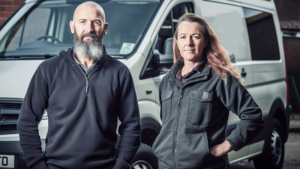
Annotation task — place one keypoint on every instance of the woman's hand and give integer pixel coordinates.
(221, 149)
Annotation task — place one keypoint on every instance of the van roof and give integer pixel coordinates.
(265, 4)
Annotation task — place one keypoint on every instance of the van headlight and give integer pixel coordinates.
(45, 116)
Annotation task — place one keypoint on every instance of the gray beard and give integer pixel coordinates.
(92, 49)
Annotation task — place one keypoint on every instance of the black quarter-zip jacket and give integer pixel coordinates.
(194, 118)
(82, 114)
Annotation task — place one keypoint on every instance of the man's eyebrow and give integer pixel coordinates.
(93, 20)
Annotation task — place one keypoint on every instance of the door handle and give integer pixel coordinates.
(243, 73)
(148, 91)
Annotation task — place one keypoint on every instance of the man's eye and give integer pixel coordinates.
(97, 23)
(82, 21)
(196, 37)
(182, 37)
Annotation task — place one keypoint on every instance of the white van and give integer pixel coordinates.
(140, 35)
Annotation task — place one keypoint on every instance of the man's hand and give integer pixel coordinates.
(221, 149)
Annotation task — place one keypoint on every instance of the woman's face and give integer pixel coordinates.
(190, 41)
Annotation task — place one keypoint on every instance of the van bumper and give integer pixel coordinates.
(13, 148)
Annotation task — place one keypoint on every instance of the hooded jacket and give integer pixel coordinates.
(83, 112)
(195, 115)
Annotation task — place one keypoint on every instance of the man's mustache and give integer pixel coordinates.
(94, 36)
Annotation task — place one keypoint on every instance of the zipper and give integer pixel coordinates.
(86, 77)
(176, 131)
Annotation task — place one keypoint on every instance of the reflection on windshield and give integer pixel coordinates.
(45, 30)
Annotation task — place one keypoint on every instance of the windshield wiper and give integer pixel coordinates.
(27, 57)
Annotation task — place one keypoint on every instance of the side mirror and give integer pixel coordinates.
(164, 60)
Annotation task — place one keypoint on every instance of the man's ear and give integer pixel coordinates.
(72, 26)
(105, 28)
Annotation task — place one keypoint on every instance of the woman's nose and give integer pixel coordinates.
(189, 41)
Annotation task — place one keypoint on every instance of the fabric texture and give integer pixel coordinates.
(83, 112)
(194, 118)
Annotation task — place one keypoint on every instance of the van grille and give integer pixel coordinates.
(8, 128)
(9, 114)
(11, 105)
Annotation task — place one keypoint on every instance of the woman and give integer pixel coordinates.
(196, 96)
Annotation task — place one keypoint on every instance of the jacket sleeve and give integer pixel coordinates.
(34, 104)
(237, 99)
(130, 130)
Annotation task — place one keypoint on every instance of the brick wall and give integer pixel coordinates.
(289, 16)
(292, 54)
(288, 9)
(8, 7)
(288, 13)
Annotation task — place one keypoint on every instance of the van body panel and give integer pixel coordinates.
(149, 109)
(265, 95)
(16, 76)
(229, 2)
(259, 4)
(256, 147)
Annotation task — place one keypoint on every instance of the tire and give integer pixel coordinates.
(273, 153)
(144, 158)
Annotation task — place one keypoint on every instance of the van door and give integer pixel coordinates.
(163, 35)
(228, 23)
(268, 65)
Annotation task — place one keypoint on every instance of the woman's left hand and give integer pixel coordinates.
(221, 149)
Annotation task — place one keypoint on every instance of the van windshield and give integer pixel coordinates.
(43, 30)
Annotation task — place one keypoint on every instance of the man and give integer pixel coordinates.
(84, 91)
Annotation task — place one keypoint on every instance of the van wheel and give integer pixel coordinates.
(144, 158)
(273, 154)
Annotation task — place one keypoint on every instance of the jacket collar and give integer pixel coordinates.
(202, 68)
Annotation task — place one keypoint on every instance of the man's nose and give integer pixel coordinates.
(89, 28)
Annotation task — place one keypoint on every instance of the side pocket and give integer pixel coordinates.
(166, 107)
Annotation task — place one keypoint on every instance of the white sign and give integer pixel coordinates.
(7, 161)
(127, 48)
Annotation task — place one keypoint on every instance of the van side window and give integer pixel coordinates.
(229, 24)
(169, 26)
(262, 35)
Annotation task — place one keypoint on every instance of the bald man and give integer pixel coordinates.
(84, 91)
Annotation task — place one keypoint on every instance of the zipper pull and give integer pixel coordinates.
(86, 86)
(179, 100)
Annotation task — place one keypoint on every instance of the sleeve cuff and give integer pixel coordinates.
(236, 142)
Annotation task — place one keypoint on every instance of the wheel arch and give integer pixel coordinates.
(281, 113)
(150, 130)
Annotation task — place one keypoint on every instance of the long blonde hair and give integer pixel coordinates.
(217, 56)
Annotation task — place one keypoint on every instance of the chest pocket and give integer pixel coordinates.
(166, 106)
(200, 108)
